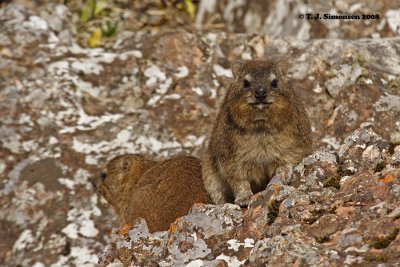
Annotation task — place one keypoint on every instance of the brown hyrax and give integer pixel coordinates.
(158, 192)
(262, 125)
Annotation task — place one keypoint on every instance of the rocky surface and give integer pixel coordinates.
(289, 18)
(344, 213)
(67, 109)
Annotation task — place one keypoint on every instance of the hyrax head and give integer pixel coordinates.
(259, 92)
(260, 81)
(120, 171)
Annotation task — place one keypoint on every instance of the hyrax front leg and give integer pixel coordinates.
(246, 171)
(242, 192)
(213, 183)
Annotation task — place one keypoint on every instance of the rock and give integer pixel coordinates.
(326, 226)
(277, 18)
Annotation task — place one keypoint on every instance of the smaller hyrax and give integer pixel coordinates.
(261, 125)
(158, 192)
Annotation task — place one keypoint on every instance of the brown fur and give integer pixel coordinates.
(250, 140)
(159, 192)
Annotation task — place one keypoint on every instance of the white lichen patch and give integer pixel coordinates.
(97, 54)
(68, 183)
(84, 122)
(21, 214)
(231, 261)
(59, 68)
(393, 20)
(87, 67)
(368, 81)
(182, 72)
(71, 230)
(53, 140)
(163, 88)
(29, 145)
(154, 75)
(153, 100)
(198, 91)
(220, 71)
(84, 227)
(213, 93)
(45, 152)
(353, 260)
(144, 143)
(3, 166)
(234, 244)
(88, 228)
(25, 119)
(317, 89)
(157, 77)
(195, 263)
(14, 176)
(115, 263)
(84, 256)
(194, 141)
(205, 7)
(371, 153)
(200, 249)
(126, 55)
(91, 160)
(81, 88)
(346, 75)
(10, 140)
(344, 179)
(81, 222)
(25, 239)
(332, 141)
(172, 96)
(36, 23)
(388, 102)
(124, 140)
(81, 177)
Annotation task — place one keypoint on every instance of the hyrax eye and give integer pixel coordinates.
(274, 83)
(246, 83)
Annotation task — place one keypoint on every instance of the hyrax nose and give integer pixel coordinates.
(261, 93)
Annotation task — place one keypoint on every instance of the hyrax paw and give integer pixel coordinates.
(243, 201)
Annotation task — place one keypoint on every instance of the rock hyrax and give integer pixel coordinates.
(158, 192)
(262, 124)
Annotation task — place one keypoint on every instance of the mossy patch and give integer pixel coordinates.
(322, 239)
(333, 181)
(330, 74)
(384, 242)
(316, 214)
(380, 257)
(392, 146)
(360, 59)
(273, 211)
(379, 167)
(395, 84)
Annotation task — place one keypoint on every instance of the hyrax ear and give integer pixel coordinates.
(236, 67)
(281, 66)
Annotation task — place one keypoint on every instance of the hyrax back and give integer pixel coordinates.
(262, 124)
(158, 192)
